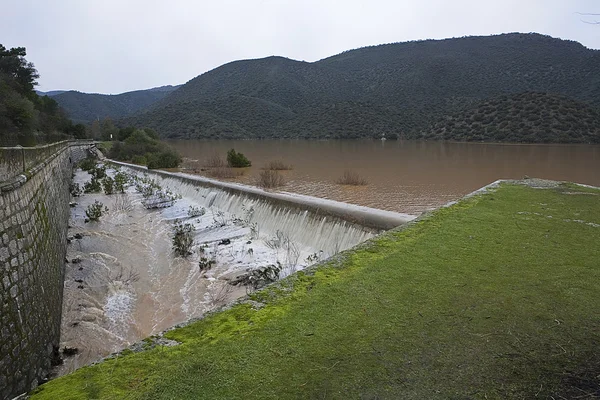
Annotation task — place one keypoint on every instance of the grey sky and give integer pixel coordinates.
(113, 46)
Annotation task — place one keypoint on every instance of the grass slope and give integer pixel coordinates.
(495, 297)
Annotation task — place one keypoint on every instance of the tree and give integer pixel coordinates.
(25, 117)
(109, 130)
(95, 130)
(78, 131)
(14, 64)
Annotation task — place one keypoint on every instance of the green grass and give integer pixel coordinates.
(490, 298)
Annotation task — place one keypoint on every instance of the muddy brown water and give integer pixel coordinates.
(403, 176)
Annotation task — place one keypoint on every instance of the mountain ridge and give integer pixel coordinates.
(396, 89)
(86, 107)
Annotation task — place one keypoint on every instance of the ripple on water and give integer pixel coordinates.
(118, 308)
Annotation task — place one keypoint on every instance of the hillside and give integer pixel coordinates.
(50, 93)
(85, 107)
(527, 117)
(394, 89)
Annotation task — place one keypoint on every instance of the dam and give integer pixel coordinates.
(118, 276)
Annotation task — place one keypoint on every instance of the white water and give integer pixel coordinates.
(320, 233)
(130, 284)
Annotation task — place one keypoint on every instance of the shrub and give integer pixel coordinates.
(92, 186)
(205, 264)
(75, 190)
(141, 160)
(95, 211)
(259, 277)
(141, 146)
(196, 212)
(237, 160)
(98, 172)
(121, 180)
(224, 173)
(214, 161)
(270, 179)
(278, 165)
(108, 184)
(351, 178)
(183, 239)
(167, 158)
(87, 164)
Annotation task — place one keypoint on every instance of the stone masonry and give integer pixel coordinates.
(34, 215)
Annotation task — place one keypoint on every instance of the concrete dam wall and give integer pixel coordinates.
(34, 214)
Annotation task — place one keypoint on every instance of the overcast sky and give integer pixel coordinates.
(114, 46)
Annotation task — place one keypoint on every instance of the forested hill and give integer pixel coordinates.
(393, 89)
(526, 117)
(85, 107)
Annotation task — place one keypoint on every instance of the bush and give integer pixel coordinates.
(259, 277)
(224, 173)
(205, 264)
(121, 180)
(351, 178)
(214, 161)
(95, 211)
(75, 190)
(270, 179)
(92, 186)
(167, 158)
(278, 165)
(196, 212)
(141, 160)
(141, 146)
(98, 172)
(108, 184)
(237, 160)
(87, 164)
(183, 239)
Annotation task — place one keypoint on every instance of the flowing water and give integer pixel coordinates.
(403, 176)
(124, 283)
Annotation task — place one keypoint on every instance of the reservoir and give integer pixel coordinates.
(403, 176)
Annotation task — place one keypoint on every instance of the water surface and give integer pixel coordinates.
(403, 176)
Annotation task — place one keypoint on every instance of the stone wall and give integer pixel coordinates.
(34, 214)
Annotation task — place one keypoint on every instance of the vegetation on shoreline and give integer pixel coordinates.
(142, 146)
(351, 178)
(270, 178)
(278, 165)
(440, 309)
